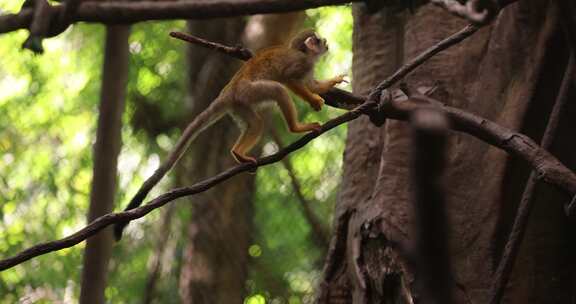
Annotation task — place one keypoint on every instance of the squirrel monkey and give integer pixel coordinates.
(265, 77)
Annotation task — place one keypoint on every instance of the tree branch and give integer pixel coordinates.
(237, 52)
(410, 66)
(131, 12)
(504, 270)
(549, 168)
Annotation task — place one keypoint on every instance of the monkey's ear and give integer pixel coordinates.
(312, 44)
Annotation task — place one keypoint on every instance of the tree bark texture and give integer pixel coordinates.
(106, 151)
(508, 72)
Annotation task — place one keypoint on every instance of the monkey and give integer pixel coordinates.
(265, 77)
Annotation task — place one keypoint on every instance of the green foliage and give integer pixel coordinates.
(48, 110)
(45, 138)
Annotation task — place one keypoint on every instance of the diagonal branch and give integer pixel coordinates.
(112, 218)
(237, 52)
(131, 12)
(453, 39)
(549, 168)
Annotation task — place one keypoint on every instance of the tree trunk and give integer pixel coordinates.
(106, 150)
(508, 72)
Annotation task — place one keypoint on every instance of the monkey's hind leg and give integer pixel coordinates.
(277, 92)
(249, 136)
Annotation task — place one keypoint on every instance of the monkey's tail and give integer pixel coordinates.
(213, 113)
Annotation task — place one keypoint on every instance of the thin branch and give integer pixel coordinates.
(116, 12)
(237, 52)
(429, 132)
(345, 100)
(335, 97)
(410, 66)
(112, 218)
(549, 168)
(504, 270)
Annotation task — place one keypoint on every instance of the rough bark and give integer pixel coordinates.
(106, 151)
(509, 72)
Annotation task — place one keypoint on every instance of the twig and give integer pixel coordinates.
(238, 52)
(125, 12)
(420, 59)
(429, 131)
(504, 270)
(335, 97)
(549, 168)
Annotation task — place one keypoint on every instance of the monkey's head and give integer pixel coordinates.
(310, 43)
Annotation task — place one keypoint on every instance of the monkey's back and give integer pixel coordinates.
(277, 63)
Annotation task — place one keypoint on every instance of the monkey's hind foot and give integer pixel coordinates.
(302, 128)
(244, 159)
(317, 102)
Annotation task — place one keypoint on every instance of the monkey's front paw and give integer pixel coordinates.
(338, 79)
(317, 103)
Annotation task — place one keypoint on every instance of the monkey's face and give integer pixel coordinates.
(316, 45)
